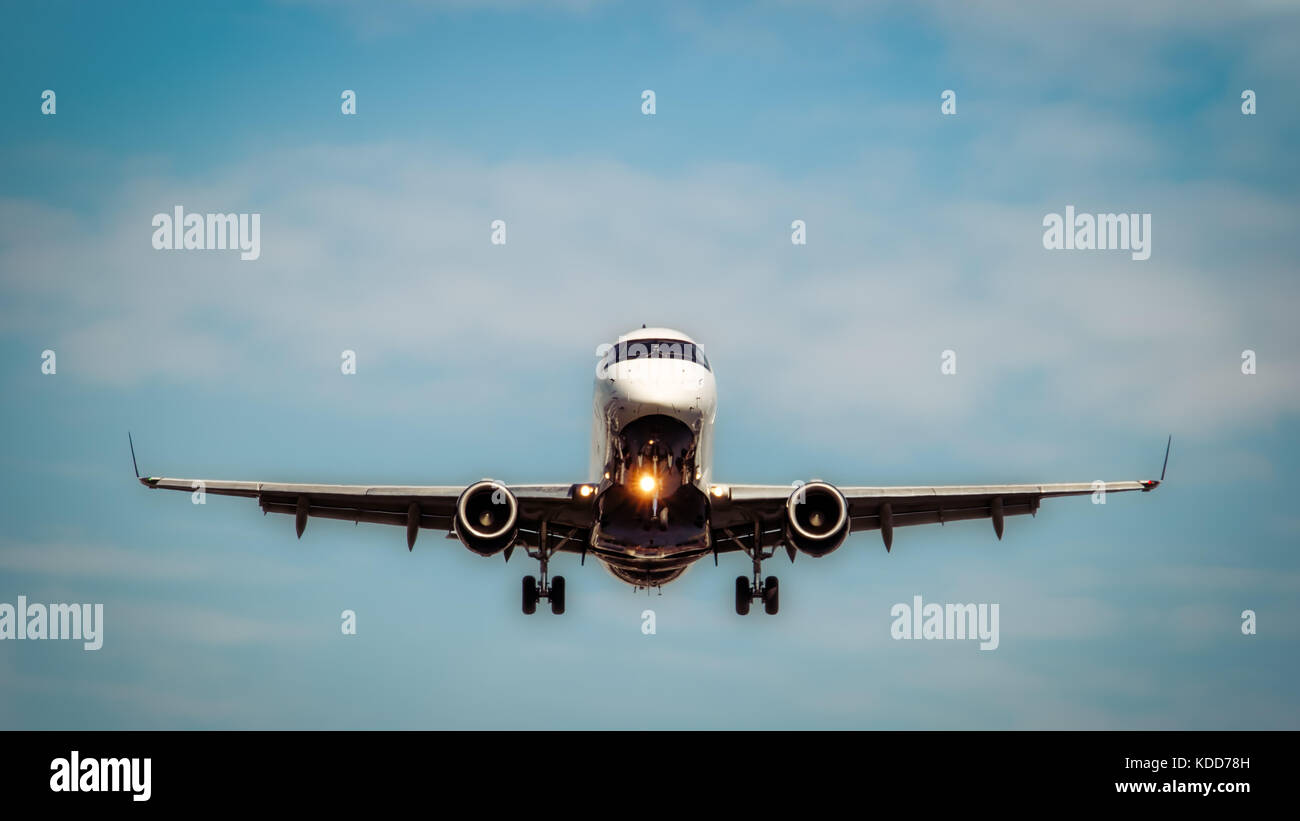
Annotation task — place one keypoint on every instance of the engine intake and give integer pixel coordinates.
(816, 518)
(487, 517)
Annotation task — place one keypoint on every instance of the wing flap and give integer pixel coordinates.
(391, 504)
(932, 512)
(354, 514)
(747, 506)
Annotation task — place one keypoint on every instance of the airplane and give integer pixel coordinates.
(650, 507)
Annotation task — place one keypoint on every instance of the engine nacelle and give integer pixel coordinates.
(487, 517)
(816, 518)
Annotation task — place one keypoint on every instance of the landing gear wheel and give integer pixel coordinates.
(530, 595)
(743, 596)
(771, 595)
(557, 595)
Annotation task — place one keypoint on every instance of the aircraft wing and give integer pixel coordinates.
(742, 517)
(744, 514)
(414, 507)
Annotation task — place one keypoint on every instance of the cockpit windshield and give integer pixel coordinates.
(656, 349)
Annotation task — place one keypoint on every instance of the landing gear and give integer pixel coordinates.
(553, 592)
(743, 596)
(544, 588)
(768, 590)
(557, 595)
(771, 596)
(530, 595)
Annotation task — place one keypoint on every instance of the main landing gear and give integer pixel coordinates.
(550, 589)
(554, 592)
(767, 591)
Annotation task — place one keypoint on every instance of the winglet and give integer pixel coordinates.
(1152, 484)
(147, 481)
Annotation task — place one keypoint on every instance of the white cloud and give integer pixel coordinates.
(384, 250)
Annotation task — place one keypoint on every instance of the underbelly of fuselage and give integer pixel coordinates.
(643, 572)
(652, 520)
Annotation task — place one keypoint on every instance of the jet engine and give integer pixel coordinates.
(487, 517)
(816, 518)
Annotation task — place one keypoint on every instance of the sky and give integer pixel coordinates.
(924, 235)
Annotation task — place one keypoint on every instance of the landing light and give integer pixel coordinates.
(718, 491)
(647, 483)
(585, 490)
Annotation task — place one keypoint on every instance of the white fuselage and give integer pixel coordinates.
(644, 385)
(652, 449)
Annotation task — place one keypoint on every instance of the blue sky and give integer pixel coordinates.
(924, 234)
